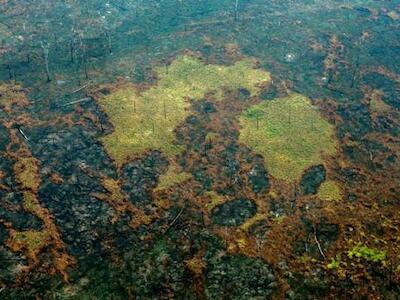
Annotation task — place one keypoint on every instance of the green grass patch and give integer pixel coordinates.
(290, 133)
(330, 191)
(147, 121)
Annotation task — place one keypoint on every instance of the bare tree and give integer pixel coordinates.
(109, 41)
(46, 48)
(236, 9)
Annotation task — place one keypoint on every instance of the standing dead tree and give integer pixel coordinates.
(109, 41)
(46, 48)
(236, 9)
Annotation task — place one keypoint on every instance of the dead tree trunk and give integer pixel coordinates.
(109, 42)
(236, 9)
(72, 50)
(45, 48)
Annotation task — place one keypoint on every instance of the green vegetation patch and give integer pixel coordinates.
(377, 104)
(26, 171)
(215, 200)
(335, 263)
(31, 241)
(290, 133)
(369, 254)
(30, 202)
(146, 121)
(330, 191)
(172, 177)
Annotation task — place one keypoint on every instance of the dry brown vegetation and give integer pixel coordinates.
(26, 172)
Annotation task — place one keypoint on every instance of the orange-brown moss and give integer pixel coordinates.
(11, 96)
(335, 47)
(56, 178)
(30, 242)
(61, 260)
(196, 264)
(121, 204)
(26, 171)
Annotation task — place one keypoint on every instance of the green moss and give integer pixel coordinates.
(290, 133)
(369, 254)
(26, 172)
(172, 177)
(147, 121)
(31, 240)
(335, 263)
(30, 202)
(215, 200)
(329, 191)
(378, 105)
(116, 196)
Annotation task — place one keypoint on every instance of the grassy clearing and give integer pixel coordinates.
(329, 191)
(147, 121)
(290, 133)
